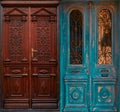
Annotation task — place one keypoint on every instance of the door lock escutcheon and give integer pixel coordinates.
(87, 71)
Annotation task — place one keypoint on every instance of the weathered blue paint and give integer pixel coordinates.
(119, 59)
(109, 82)
(84, 90)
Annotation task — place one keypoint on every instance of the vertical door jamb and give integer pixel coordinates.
(119, 58)
(1, 56)
(29, 55)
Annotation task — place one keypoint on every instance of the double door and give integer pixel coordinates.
(30, 69)
(88, 56)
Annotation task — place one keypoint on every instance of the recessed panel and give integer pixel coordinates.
(76, 37)
(104, 37)
(104, 94)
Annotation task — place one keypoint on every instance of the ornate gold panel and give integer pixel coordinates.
(104, 37)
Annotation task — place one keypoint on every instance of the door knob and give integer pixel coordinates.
(87, 71)
(33, 51)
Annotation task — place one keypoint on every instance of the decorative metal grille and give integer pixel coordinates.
(76, 37)
(105, 37)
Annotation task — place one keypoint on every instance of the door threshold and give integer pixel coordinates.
(29, 110)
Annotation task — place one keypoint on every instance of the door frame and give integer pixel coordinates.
(61, 70)
(119, 58)
(29, 4)
(63, 53)
(0, 56)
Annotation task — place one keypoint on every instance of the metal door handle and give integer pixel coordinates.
(87, 71)
(33, 51)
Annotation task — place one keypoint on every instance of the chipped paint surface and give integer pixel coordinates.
(93, 88)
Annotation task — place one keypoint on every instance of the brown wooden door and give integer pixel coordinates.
(30, 69)
(44, 58)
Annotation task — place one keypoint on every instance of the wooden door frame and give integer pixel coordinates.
(28, 4)
(1, 56)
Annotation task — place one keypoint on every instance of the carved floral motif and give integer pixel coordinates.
(105, 37)
(76, 95)
(104, 95)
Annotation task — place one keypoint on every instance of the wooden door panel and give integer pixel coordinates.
(15, 35)
(44, 57)
(44, 82)
(15, 57)
(16, 85)
(30, 58)
(16, 88)
(44, 87)
(43, 35)
(16, 69)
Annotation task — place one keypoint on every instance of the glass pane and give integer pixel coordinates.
(76, 37)
(105, 37)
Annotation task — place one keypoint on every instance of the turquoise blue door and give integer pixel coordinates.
(88, 56)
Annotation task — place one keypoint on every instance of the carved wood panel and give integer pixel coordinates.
(15, 57)
(44, 83)
(43, 27)
(16, 88)
(16, 26)
(44, 58)
(30, 58)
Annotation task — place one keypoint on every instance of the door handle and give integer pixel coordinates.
(87, 71)
(33, 51)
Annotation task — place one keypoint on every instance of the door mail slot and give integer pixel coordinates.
(104, 73)
(75, 71)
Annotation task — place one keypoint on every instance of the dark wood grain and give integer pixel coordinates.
(30, 68)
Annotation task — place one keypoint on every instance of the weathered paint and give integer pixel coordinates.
(84, 90)
(119, 59)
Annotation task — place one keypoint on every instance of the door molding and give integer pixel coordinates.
(119, 60)
(29, 4)
(0, 56)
